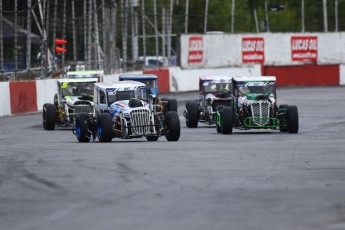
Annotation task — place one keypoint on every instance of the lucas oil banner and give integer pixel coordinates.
(253, 50)
(304, 48)
(195, 49)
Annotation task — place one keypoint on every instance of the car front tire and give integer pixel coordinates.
(81, 129)
(104, 128)
(173, 126)
(49, 116)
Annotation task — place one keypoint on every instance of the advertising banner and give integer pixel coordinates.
(304, 48)
(196, 49)
(253, 49)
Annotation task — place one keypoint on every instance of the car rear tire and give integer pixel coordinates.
(49, 116)
(172, 105)
(173, 126)
(152, 138)
(104, 128)
(192, 116)
(81, 129)
(292, 117)
(227, 120)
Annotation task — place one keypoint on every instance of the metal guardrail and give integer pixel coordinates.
(31, 74)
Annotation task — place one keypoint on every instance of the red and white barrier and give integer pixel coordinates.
(29, 96)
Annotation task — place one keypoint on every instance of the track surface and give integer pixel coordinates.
(248, 180)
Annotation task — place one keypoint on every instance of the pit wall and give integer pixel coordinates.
(29, 96)
(268, 49)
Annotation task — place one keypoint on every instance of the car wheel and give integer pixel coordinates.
(81, 128)
(227, 120)
(152, 138)
(192, 116)
(173, 126)
(292, 119)
(283, 118)
(219, 129)
(49, 116)
(219, 109)
(172, 105)
(104, 128)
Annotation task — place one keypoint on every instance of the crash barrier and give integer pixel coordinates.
(23, 96)
(268, 49)
(19, 97)
(29, 96)
(306, 75)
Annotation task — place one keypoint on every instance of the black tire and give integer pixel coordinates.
(56, 100)
(152, 138)
(227, 120)
(219, 108)
(49, 116)
(192, 116)
(173, 126)
(81, 128)
(283, 118)
(104, 128)
(172, 105)
(292, 118)
(219, 129)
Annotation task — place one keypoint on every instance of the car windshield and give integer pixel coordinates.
(77, 88)
(126, 95)
(148, 83)
(210, 87)
(257, 88)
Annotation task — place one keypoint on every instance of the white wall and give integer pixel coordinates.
(115, 77)
(46, 89)
(223, 50)
(188, 80)
(342, 75)
(5, 100)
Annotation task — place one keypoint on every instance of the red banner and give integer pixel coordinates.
(304, 48)
(196, 49)
(253, 50)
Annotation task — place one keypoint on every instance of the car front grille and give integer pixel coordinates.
(140, 121)
(83, 107)
(260, 112)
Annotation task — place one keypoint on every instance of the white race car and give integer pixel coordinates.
(123, 111)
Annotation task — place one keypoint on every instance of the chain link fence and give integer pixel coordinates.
(123, 35)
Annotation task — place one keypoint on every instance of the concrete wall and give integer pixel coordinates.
(188, 80)
(5, 104)
(46, 90)
(201, 51)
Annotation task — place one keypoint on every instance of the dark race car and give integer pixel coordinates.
(214, 92)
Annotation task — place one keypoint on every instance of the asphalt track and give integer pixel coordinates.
(263, 180)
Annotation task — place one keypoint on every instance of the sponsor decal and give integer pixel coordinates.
(304, 48)
(253, 49)
(196, 47)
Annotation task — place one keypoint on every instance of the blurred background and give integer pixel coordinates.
(124, 35)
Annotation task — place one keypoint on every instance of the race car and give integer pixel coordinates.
(214, 91)
(74, 96)
(255, 107)
(151, 82)
(123, 111)
(99, 74)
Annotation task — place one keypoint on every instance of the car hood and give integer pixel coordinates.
(123, 107)
(71, 100)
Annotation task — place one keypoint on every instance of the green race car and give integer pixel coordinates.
(255, 107)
